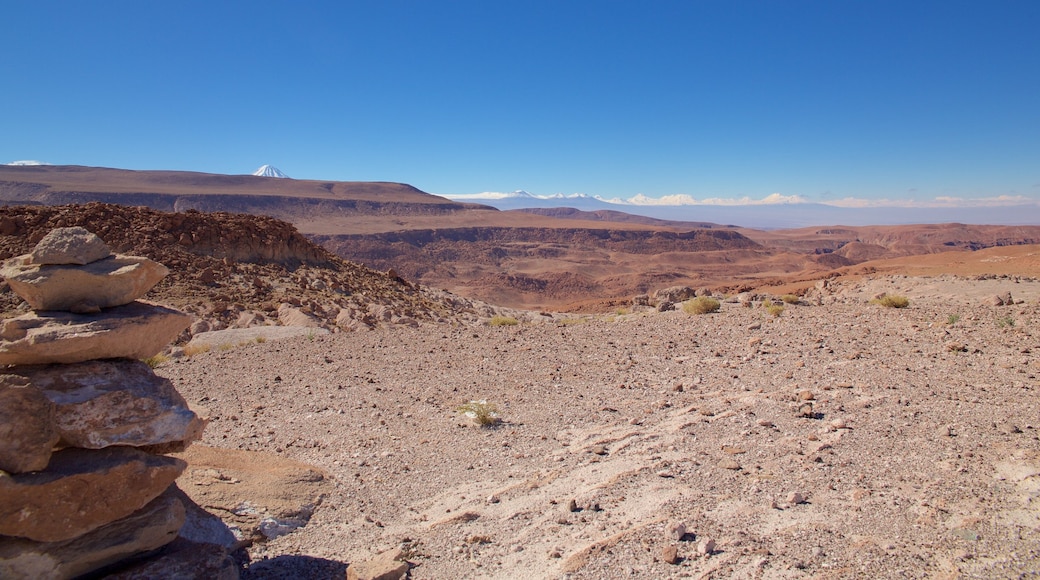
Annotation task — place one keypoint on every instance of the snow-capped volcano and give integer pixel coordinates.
(269, 171)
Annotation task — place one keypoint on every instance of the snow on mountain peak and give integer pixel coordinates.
(269, 171)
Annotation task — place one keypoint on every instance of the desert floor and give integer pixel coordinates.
(838, 440)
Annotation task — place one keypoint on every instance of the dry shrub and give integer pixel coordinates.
(892, 301)
(701, 305)
(482, 413)
(194, 349)
(499, 320)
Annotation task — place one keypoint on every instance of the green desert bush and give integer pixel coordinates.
(481, 412)
(892, 301)
(775, 309)
(701, 305)
(790, 298)
(499, 320)
(952, 319)
(1005, 322)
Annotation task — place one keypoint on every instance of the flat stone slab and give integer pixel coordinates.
(87, 288)
(137, 330)
(109, 402)
(153, 526)
(82, 490)
(236, 336)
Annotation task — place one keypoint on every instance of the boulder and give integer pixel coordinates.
(27, 432)
(147, 529)
(675, 294)
(113, 281)
(82, 490)
(293, 316)
(73, 245)
(113, 402)
(137, 330)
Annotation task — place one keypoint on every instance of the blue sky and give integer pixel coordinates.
(818, 101)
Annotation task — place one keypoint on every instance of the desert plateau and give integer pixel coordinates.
(397, 385)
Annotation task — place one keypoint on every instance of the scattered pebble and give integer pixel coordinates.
(706, 547)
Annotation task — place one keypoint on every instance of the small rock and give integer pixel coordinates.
(706, 547)
(670, 555)
(806, 395)
(390, 565)
(805, 410)
(839, 424)
(677, 531)
(493, 499)
(729, 463)
(572, 506)
(598, 449)
(795, 498)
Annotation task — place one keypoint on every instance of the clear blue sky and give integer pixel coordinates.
(825, 99)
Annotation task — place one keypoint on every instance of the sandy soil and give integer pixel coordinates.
(838, 440)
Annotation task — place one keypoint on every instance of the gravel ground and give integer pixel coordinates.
(838, 440)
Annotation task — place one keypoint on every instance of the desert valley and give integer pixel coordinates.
(398, 384)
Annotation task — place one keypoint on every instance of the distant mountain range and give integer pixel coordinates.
(775, 212)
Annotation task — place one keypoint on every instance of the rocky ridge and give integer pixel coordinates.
(240, 271)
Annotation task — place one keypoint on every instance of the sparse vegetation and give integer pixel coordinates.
(1006, 321)
(701, 305)
(499, 320)
(482, 413)
(621, 311)
(194, 349)
(892, 301)
(155, 361)
(790, 298)
(261, 339)
(225, 346)
(775, 309)
(952, 319)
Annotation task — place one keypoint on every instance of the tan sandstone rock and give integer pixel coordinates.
(82, 490)
(390, 565)
(113, 402)
(113, 281)
(27, 431)
(73, 245)
(137, 330)
(147, 529)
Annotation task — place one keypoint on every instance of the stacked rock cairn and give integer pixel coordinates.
(84, 423)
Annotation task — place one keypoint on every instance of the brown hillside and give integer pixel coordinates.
(222, 265)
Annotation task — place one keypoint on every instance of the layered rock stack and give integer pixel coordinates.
(83, 422)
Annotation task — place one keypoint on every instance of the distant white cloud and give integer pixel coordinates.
(941, 201)
(638, 199)
(28, 162)
(772, 199)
